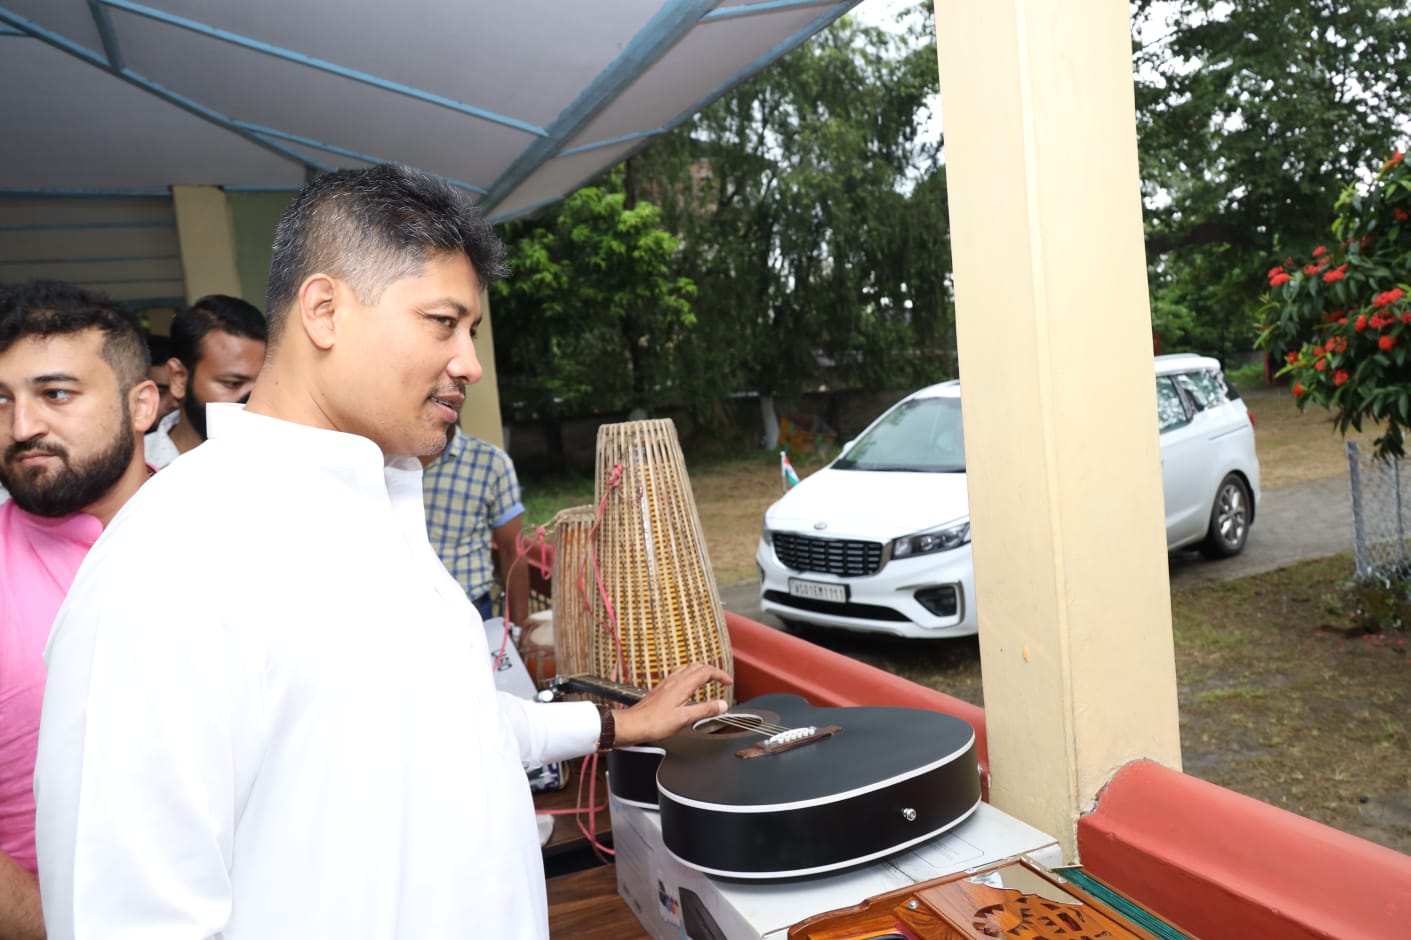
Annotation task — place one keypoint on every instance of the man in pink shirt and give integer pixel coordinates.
(75, 399)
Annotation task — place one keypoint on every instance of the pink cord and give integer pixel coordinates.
(619, 668)
(504, 642)
(589, 768)
(538, 540)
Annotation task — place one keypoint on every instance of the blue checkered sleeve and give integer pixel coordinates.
(468, 492)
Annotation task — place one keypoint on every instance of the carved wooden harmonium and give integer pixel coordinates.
(1019, 899)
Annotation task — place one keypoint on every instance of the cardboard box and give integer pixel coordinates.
(673, 901)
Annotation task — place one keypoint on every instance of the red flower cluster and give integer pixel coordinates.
(1333, 365)
(1387, 298)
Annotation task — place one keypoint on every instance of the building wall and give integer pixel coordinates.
(254, 217)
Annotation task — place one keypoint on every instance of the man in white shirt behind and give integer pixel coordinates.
(217, 346)
(304, 741)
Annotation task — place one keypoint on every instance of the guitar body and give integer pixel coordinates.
(889, 779)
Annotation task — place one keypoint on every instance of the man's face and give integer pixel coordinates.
(66, 430)
(225, 372)
(167, 403)
(400, 366)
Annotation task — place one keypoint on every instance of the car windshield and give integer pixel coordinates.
(921, 435)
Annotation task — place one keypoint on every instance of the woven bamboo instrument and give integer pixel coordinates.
(655, 569)
(575, 591)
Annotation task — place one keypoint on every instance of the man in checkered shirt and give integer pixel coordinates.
(472, 502)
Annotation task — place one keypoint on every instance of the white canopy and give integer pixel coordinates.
(108, 103)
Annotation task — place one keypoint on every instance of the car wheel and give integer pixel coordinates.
(1229, 519)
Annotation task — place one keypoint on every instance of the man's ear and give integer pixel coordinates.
(317, 304)
(177, 379)
(142, 401)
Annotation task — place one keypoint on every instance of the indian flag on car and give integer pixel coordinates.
(786, 470)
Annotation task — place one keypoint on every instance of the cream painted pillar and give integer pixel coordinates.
(207, 239)
(1059, 401)
(481, 415)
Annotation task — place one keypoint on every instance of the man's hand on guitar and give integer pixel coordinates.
(664, 710)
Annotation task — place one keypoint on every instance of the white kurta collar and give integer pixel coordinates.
(301, 442)
(394, 480)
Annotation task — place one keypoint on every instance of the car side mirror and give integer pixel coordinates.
(847, 446)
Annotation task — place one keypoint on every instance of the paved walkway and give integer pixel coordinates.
(1292, 524)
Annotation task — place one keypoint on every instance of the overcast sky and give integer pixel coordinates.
(883, 13)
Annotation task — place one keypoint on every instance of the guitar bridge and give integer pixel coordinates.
(788, 740)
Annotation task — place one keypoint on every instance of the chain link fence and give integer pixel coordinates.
(1381, 516)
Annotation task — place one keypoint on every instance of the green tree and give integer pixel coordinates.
(595, 309)
(812, 218)
(1345, 313)
(1251, 116)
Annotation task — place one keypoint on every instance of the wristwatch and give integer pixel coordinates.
(609, 728)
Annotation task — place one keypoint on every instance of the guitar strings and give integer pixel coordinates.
(748, 723)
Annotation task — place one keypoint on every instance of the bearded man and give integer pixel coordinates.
(218, 347)
(75, 399)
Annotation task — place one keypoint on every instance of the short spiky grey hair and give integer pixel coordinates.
(370, 227)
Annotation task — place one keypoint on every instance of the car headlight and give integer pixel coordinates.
(765, 535)
(932, 540)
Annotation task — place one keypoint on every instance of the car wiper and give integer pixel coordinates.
(891, 468)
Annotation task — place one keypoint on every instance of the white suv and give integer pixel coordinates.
(844, 548)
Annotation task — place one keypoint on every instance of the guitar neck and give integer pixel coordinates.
(602, 688)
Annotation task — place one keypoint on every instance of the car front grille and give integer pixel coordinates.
(849, 609)
(844, 558)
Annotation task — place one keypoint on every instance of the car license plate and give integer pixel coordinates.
(819, 590)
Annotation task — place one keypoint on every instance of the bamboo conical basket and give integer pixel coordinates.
(575, 592)
(665, 605)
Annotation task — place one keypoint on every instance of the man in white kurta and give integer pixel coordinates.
(319, 737)
(304, 741)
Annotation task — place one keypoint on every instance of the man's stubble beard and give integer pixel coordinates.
(72, 488)
(193, 409)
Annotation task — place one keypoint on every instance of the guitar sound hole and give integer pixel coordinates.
(730, 724)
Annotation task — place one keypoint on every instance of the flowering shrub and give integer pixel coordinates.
(1343, 319)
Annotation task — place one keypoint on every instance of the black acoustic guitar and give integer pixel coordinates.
(777, 788)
